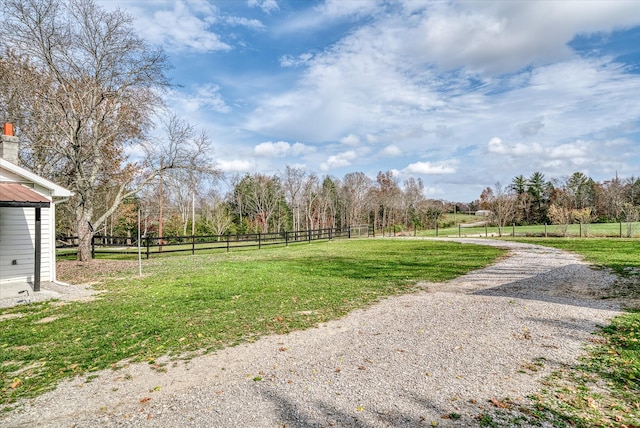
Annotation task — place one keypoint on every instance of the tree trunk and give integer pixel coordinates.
(85, 235)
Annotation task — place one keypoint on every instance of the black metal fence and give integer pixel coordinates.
(152, 245)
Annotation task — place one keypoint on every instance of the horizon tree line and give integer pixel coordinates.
(297, 199)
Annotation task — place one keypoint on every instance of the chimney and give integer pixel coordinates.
(9, 145)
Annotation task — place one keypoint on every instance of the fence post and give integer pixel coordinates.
(621, 229)
(436, 228)
(349, 232)
(147, 244)
(486, 230)
(193, 244)
(580, 229)
(259, 241)
(459, 230)
(514, 230)
(228, 236)
(93, 247)
(330, 233)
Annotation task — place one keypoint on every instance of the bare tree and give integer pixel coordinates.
(388, 197)
(356, 195)
(611, 198)
(412, 196)
(262, 194)
(182, 159)
(503, 206)
(84, 88)
(311, 192)
(216, 214)
(292, 184)
(631, 214)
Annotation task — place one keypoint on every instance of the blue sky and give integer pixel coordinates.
(462, 94)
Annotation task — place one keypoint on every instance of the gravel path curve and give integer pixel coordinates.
(407, 361)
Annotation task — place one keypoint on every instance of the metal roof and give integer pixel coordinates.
(17, 195)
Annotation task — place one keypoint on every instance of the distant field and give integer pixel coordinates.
(574, 230)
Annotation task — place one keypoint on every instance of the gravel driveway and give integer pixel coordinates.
(435, 356)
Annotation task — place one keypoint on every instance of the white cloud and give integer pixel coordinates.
(296, 61)
(184, 27)
(335, 9)
(574, 150)
(431, 168)
(498, 37)
(281, 149)
(243, 22)
(267, 6)
(391, 150)
(204, 97)
(530, 128)
(339, 161)
(350, 140)
(498, 147)
(200, 101)
(236, 165)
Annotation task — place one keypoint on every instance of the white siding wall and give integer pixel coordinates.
(17, 242)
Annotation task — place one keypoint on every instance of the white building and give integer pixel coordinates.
(27, 220)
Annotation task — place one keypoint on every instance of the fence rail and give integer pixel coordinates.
(150, 245)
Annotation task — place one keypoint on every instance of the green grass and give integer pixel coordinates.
(573, 230)
(604, 388)
(189, 304)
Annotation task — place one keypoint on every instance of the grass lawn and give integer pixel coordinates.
(573, 230)
(188, 304)
(604, 389)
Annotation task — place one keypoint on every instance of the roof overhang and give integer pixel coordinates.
(18, 196)
(56, 190)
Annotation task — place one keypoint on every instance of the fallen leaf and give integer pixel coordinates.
(16, 383)
(499, 404)
(282, 349)
(145, 399)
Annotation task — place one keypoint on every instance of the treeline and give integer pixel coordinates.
(573, 199)
(300, 200)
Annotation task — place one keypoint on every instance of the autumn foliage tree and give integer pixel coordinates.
(82, 88)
